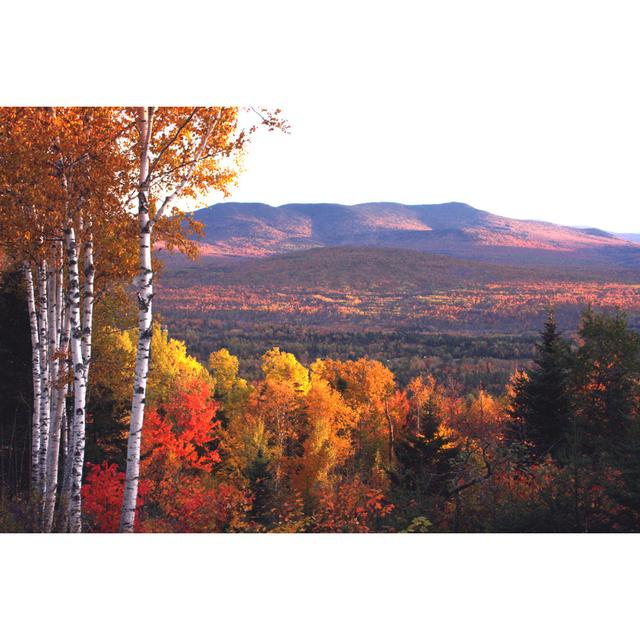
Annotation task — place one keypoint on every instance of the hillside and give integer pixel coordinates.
(319, 268)
(454, 229)
(351, 287)
(352, 268)
(348, 267)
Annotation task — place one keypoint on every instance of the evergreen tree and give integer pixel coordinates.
(541, 407)
(606, 378)
(422, 465)
(625, 487)
(261, 483)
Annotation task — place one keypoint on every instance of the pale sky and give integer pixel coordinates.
(528, 109)
(526, 113)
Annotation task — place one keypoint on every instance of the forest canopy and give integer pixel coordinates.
(341, 446)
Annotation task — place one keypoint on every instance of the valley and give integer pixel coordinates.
(418, 311)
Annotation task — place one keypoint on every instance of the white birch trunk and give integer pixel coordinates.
(60, 298)
(52, 343)
(76, 452)
(61, 390)
(65, 437)
(87, 304)
(35, 376)
(145, 296)
(65, 493)
(75, 442)
(45, 389)
(52, 340)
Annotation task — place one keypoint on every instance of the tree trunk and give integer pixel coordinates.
(61, 390)
(45, 389)
(145, 296)
(65, 494)
(52, 297)
(35, 376)
(391, 430)
(76, 452)
(87, 304)
(52, 344)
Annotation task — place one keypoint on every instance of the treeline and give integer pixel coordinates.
(340, 446)
(471, 360)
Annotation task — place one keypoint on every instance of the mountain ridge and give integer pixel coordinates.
(456, 229)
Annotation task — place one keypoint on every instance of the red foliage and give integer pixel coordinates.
(102, 497)
(182, 430)
(177, 455)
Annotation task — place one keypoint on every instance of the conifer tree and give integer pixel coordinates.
(261, 482)
(607, 376)
(422, 455)
(540, 406)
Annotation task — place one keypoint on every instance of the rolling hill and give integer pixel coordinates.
(382, 269)
(453, 229)
(360, 288)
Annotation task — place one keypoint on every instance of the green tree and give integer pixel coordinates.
(423, 456)
(540, 407)
(606, 377)
(260, 475)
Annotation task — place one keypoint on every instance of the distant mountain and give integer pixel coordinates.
(454, 229)
(632, 237)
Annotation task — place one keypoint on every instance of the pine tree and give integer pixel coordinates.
(607, 376)
(423, 458)
(261, 482)
(541, 407)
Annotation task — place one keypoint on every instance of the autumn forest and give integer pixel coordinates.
(173, 369)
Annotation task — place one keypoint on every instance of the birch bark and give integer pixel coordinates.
(76, 452)
(87, 304)
(59, 418)
(45, 390)
(35, 376)
(65, 494)
(52, 342)
(145, 296)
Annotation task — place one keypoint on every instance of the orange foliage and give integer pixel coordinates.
(353, 508)
(513, 304)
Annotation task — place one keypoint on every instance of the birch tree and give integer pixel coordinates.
(90, 159)
(35, 372)
(26, 226)
(67, 169)
(182, 153)
(68, 177)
